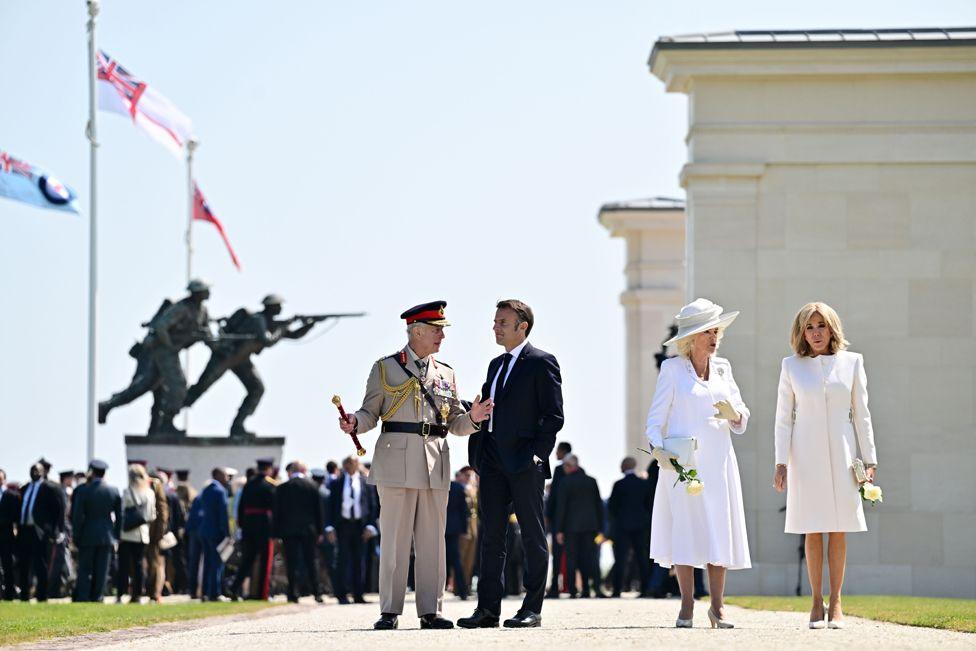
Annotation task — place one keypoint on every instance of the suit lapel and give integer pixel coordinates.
(514, 371)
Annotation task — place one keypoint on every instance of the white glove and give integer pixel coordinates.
(726, 411)
(663, 457)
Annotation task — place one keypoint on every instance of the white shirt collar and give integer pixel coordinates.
(628, 472)
(298, 475)
(415, 357)
(515, 352)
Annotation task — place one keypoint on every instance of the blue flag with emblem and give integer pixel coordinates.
(21, 181)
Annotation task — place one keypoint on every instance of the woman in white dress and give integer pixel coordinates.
(697, 397)
(821, 410)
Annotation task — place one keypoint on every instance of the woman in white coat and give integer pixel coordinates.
(137, 497)
(697, 397)
(821, 416)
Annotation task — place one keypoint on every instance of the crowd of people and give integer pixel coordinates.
(78, 537)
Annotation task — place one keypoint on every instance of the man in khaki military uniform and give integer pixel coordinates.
(416, 398)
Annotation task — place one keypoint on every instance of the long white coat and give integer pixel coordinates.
(822, 405)
(710, 527)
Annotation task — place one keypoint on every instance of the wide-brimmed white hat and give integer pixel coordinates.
(698, 316)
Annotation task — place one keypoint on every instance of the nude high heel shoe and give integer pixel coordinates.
(718, 622)
(683, 623)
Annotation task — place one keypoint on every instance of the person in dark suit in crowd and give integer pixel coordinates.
(350, 522)
(194, 550)
(9, 516)
(214, 527)
(579, 518)
(254, 519)
(62, 567)
(511, 455)
(458, 520)
(175, 557)
(299, 523)
(325, 549)
(558, 562)
(93, 508)
(629, 507)
(42, 523)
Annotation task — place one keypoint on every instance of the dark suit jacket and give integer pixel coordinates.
(630, 504)
(528, 412)
(368, 501)
(558, 473)
(298, 509)
(458, 511)
(93, 504)
(214, 520)
(579, 507)
(50, 507)
(9, 514)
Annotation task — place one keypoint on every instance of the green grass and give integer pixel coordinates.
(949, 614)
(24, 622)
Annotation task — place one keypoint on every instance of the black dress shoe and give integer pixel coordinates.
(360, 600)
(524, 619)
(434, 620)
(480, 619)
(343, 600)
(600, 594)
(386, 622)
(319, 599)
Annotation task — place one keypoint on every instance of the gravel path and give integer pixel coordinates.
(605, 623)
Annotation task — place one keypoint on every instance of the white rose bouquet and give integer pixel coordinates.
(689, 477)
(869, 492)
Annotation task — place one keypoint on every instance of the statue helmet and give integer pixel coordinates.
(197, 285)
(272, 299)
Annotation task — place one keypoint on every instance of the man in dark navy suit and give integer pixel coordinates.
(42, 524)
(630, 525)
(511, 456)
(350, 522)
(213, 528)
(95, 532)
(298, 519)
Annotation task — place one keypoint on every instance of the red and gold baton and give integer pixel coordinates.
(360, 450)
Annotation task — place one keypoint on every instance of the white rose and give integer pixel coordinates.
(872, 492)
(694, 487)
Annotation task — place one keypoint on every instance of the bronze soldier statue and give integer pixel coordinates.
(244, 334)
(174, 327)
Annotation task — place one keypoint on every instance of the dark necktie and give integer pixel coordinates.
(422, 367)
(502, 374)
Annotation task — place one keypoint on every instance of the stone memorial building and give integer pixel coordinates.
(837, 166)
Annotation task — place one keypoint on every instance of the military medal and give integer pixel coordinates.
(445, 410)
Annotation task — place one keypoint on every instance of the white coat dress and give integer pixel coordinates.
(821, 416)
(710, 527)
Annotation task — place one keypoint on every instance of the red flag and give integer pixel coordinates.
(202, 212)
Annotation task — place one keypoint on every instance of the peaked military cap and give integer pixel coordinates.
(272, 299)
(44, 462)
(98, 464)
(64, 474)
(182, 475)
(197, 285)
(265, 463)
(431, 313)
(318, 473)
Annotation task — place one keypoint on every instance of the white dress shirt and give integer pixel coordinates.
(351, 491)
(515, 352)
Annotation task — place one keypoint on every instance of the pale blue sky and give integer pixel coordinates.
(363, 156)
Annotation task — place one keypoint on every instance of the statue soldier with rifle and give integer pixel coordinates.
(174, 327)
(243, 334)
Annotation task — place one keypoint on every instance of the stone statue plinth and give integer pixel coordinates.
(201, 454)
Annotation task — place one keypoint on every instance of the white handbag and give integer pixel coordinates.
(684, 448)
(168, 541)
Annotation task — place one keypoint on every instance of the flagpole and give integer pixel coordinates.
(191, 146)
(92, 227)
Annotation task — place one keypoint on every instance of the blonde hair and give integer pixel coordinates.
(686, 344)
(799, 342)
(137, 476)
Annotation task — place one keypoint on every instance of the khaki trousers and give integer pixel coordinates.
(418, 516)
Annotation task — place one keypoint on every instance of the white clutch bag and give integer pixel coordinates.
(684, 448)
(168, 541)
